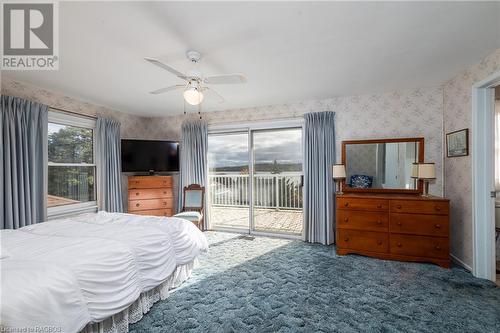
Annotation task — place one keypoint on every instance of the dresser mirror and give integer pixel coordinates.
(382, 165)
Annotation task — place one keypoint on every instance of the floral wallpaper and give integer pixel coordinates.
(362, 160)
(458, 170)
(396, 114)
(131, 126)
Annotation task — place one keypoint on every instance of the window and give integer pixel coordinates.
(71, 183)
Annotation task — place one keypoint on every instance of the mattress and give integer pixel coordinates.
(66, 273)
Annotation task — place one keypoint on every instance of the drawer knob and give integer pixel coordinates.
(379, 242)
(399, 223)
(137, 205)
(437, 247)
(437, 208)
(399, 244)
(438, 226)
(399, 206)
(164, 203)
(379, 206)
(379, 222)
(346, 239)
(137, 182)
(346, 204)
(164, 192)
(137, 193)
(346, 219)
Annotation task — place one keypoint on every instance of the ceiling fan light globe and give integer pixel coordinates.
(192, 96)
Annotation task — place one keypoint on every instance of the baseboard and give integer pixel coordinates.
(460, 262)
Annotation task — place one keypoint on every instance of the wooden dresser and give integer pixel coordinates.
(150, 195)
(404, 227)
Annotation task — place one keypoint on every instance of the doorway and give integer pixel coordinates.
(497, 183)
(483, 177)
(255, 180)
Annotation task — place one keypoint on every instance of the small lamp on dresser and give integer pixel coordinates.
(414, 174)
(338, 173)
(426, 172)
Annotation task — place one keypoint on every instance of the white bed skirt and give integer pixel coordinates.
(119, 322)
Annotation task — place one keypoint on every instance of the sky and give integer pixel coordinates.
(54, 128)
(285, 146)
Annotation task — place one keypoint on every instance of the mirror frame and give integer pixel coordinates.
(420, 186)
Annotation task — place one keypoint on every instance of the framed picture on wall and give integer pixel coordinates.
(457, 143)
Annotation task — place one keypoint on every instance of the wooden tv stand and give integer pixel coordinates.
(405, 227)
(150, 195)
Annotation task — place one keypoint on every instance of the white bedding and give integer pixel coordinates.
(70, 272)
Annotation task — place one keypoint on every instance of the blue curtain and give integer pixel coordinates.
(319, 156)
(108, 151)
(193, 159)
(23, 156)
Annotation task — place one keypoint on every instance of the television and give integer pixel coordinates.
(150, 156)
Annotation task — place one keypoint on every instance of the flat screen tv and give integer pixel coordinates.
(150, 156)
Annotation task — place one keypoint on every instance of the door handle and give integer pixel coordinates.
(493, 194)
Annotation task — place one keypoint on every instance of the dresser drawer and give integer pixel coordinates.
(153, 193)
(420, 246)
(363, 240)
(149, 182)
(431, 225)
(155, 212)
(359, 220)
(419, 207)
(136, 205)
(362, 204)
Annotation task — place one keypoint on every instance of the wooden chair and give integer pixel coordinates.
(192, 209)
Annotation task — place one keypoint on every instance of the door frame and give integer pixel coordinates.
(483, 177)
(250, 127)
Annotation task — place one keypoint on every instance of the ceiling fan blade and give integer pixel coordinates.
(166, 67)
(225, 79)
(215, 93)
(166, 89)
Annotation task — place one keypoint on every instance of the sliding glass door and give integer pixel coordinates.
(255, 181)
(228, 181)
(277, 181)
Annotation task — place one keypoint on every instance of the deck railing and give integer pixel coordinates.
(279, 191)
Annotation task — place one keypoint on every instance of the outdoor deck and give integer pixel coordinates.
(266, 220)
(53, 201)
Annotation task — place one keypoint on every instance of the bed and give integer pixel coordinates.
(94, 272)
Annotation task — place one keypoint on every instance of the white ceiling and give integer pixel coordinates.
(289, 51)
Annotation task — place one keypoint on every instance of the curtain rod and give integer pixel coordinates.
(73, 112)
(260, 120)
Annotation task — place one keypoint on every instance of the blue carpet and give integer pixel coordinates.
(277, 285)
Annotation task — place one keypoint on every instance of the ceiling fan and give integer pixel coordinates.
(196, 83)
